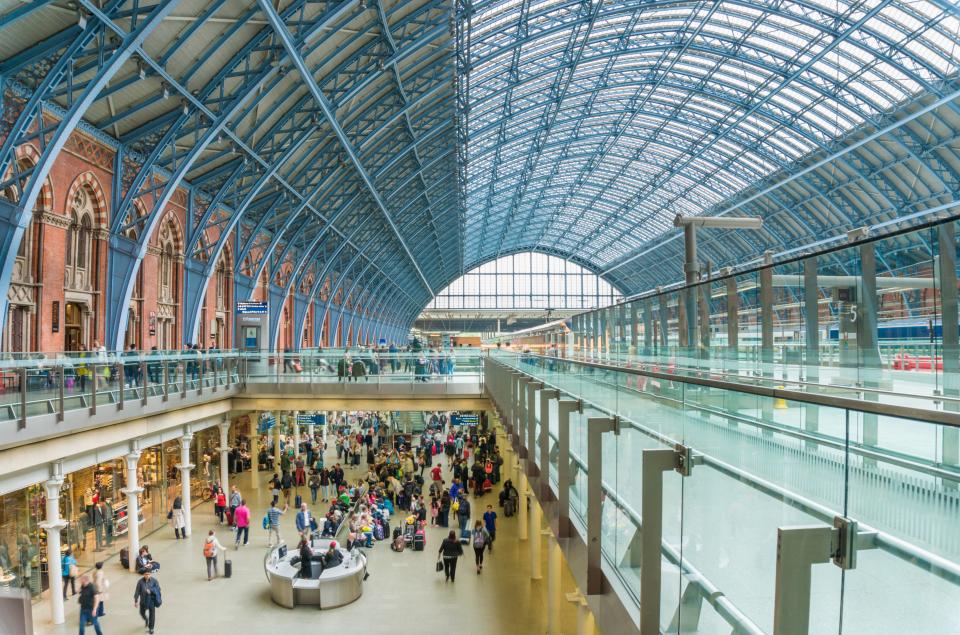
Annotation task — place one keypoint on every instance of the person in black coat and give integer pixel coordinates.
(306, 559)
(333, 557)
(147, 596)
(450, 550)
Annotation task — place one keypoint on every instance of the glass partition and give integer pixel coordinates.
(768, 467)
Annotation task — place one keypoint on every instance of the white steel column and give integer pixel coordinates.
(276, 443)
(53, 525)
(185, 467)
(553, 583)
(225, 455)
(522, 523)
(536, 569)
(296, 433)
(255, 457)
(132, 490)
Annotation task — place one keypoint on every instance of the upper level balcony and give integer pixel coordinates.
(43, 396)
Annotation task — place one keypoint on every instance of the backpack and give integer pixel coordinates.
(209, 549)
(479, 539)
(266, 521)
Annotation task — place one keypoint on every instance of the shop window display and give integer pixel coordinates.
(22, 543)
(95, 508)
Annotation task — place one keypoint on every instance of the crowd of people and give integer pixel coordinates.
(413, 359)
(375, 475)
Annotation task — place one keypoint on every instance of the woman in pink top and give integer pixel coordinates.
(241, 518)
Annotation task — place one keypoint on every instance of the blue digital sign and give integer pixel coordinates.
(252, 308)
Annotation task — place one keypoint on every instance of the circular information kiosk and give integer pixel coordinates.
(325, 587)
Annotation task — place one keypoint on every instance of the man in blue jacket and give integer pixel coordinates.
(304, 519)
(147, 596)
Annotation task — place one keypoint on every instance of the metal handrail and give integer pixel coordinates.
(941, 417)
(708, 590)
(937, 565)
(795, 382)
(836, 443)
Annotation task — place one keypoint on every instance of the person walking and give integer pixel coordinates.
(178, 519)
(211, 547)
(273, 522)
(235, 500)
(275, 488)
(102, 584)
(463, 514)
(68, 565)
(286, 484)
(480, 540)
(445, 503)
(147, 597)
(450, 550)
(314, 484)
(220, 503)
(89, 603)
(490, 524)
(241, 519)
(325, 483)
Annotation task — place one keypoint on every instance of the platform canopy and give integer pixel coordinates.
(378, 149)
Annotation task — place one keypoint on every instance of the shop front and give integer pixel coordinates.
(22, 557)
(94, 509)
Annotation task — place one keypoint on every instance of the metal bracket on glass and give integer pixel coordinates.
(798, 549)
(685, 460)
(680, 459)
(596, 427)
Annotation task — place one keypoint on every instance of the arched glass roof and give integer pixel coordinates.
(378, 149)
(527, 281)
(592, 124)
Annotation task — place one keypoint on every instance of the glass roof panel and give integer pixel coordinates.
(604, 115)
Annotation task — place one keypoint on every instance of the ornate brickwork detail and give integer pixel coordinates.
(170, 231)
(166, 310)
(20, 294)
(54, 220)
(91, 151)
(84, 185)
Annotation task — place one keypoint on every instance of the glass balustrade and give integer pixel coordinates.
(44, 384)
(768, 464)
(855, 320)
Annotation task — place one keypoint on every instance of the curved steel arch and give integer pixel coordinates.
(702, 58)
(456, 160)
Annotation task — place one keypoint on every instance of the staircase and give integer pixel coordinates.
(409, 421)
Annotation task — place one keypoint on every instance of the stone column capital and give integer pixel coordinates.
(53, 525)
(53, 486)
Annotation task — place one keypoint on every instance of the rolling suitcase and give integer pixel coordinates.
(227, 568)
(465, 536)
(419, 541)
(125, 557)
(297, 501)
